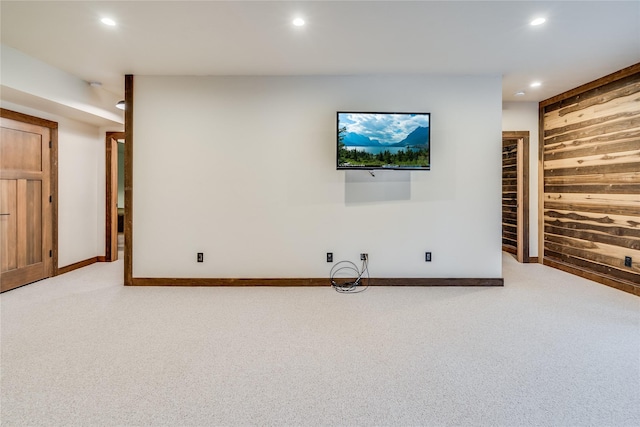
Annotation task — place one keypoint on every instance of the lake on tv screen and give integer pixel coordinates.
(377, 149)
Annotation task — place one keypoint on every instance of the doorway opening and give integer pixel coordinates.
(114, 206)
(515, 194)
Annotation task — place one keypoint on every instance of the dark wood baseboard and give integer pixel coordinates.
(532, 260)
(78, 265)
(623, 285)
(147, 281)
(101, 259)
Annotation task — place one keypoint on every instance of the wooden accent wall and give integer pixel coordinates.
(590, 151)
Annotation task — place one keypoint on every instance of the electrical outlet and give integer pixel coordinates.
(627, 261)
(364, 257)
(329, 256)
(427, 256)
(200, 257)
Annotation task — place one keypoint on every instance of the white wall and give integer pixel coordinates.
(80, 163)
(80, 150)
(523, 116)
(27, 78)
(243, 169)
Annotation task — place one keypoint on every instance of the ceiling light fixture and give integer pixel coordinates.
(108, 21)
(538, 21)
(120, 105)
(95, 84)
(519, 93)
(298, 22)
(535, 84)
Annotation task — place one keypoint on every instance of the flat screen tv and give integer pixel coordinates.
(369, 141)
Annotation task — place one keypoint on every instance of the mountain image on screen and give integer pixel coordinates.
(383, 141)
(419, 137)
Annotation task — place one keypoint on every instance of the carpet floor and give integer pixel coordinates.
(547, 349)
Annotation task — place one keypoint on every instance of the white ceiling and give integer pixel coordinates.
(581, 41)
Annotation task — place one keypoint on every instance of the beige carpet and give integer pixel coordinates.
(547, 349)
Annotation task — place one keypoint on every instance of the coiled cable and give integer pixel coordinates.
(342, 273)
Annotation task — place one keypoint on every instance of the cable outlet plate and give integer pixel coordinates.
(200, 257)
(364, 257)
(427, 256)
(627, 261)
(329, 256)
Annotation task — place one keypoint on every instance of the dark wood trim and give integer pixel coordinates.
(108, 205)
(53, 181)
(77, 265)
(146, 281)
(623, 285)
(541, 183)
(110, 211)
(25, 118)
(128, 180)
(435, 281)
(507, 134)
(101, 259)
(53, 152)
(534, 260)
(525, 198)
(625, 72)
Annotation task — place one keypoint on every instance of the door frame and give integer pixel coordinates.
(523, 192)
(111, 208)
(53, 178)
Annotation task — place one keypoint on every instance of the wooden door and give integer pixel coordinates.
(515, 194)
(25, 204)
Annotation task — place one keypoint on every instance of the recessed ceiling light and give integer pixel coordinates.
(535, 84)
(538, 21)
(95, 84)
(120, 105)
(519, 93)
(298, 22)
(108, 21)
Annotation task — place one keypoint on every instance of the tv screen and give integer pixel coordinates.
(383, 141)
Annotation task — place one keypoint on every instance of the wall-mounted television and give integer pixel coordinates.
(369, 141)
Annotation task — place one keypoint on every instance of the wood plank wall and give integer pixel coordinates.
(590, 149)
(510, 195)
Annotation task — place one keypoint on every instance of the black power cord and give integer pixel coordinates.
(349, 269)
